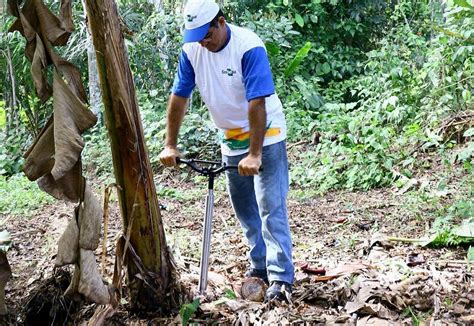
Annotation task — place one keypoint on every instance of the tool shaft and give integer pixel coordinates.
(206, 242)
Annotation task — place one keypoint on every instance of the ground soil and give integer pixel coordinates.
(339, 229)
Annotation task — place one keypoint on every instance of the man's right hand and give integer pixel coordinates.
(169, 155)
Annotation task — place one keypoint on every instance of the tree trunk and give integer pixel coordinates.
(148, 261)
(94, 87)
(11, 99)
(158, 4)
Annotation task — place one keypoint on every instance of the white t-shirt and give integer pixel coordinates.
(227, 80)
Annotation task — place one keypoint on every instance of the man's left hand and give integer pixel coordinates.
(250, 165)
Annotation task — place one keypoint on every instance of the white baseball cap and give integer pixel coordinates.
(198, 15)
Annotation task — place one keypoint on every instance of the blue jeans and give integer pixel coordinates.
(260, 205)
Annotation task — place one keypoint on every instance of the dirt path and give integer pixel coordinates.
(341, 233)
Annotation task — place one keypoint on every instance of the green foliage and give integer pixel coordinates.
(415, 319)
(187, 311)
(300, 55)
(180, 195)
(368, 82)
(97, 154)
(464, 3)
(447, 230)
(372, 125)
(228, 293)
(11, 160)
(2, 114)
(470, 255)
(154, 48)
(19, 196)
(198, 135)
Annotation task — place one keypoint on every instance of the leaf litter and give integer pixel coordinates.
(345, 275)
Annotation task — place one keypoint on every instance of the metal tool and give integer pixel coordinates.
(211, 169)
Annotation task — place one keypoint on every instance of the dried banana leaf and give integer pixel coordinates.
(71, 118)
(91, 284)
(70, 73)
(38, 71)
(13, 8)
(39, 158)
(27, 23)
(68, 188)
(51, 26)
(90, 219)
(68, 245)
(65, 16)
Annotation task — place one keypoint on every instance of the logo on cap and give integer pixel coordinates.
(190, 18)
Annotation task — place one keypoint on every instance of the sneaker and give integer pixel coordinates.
(260, 273)
(279, 290)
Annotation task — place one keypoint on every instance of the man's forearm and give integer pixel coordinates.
(257, 121)
(175, 114)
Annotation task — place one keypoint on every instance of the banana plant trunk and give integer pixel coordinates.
(148, 262)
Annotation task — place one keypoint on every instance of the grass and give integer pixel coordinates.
(19, 196)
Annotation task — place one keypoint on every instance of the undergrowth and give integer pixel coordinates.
(19, 196)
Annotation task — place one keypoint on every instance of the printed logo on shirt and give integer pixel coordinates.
(229, 72)
(190, 18)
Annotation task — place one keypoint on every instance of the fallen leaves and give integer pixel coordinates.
(414, 260)
(323, 275)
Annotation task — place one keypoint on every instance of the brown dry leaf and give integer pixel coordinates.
(377, 255)
(230, 304)
(307, 268)
(27, 22)
(90, 220)
(380, 239)
(38, 71)
(369, 320)
(27, 25)
(51, 26)
(353, 306)
(68, 188)
(350, 268)
(90, 283)
(68, 245)
(72, 77)
(414, 259)
(71, 118)
(214, 278)
(12, 7)
(468, 319)
(39, 158)
(70, 73)
(368, 289)
(5, 274)
(65, 16)
(343, 269)
(100, 315)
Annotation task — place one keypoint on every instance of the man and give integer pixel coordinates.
(230, 67)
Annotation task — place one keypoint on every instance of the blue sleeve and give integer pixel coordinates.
(257, 74)
(184, 81)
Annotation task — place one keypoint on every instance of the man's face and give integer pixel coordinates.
(215, 37)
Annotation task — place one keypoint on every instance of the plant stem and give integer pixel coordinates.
(409, 240)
